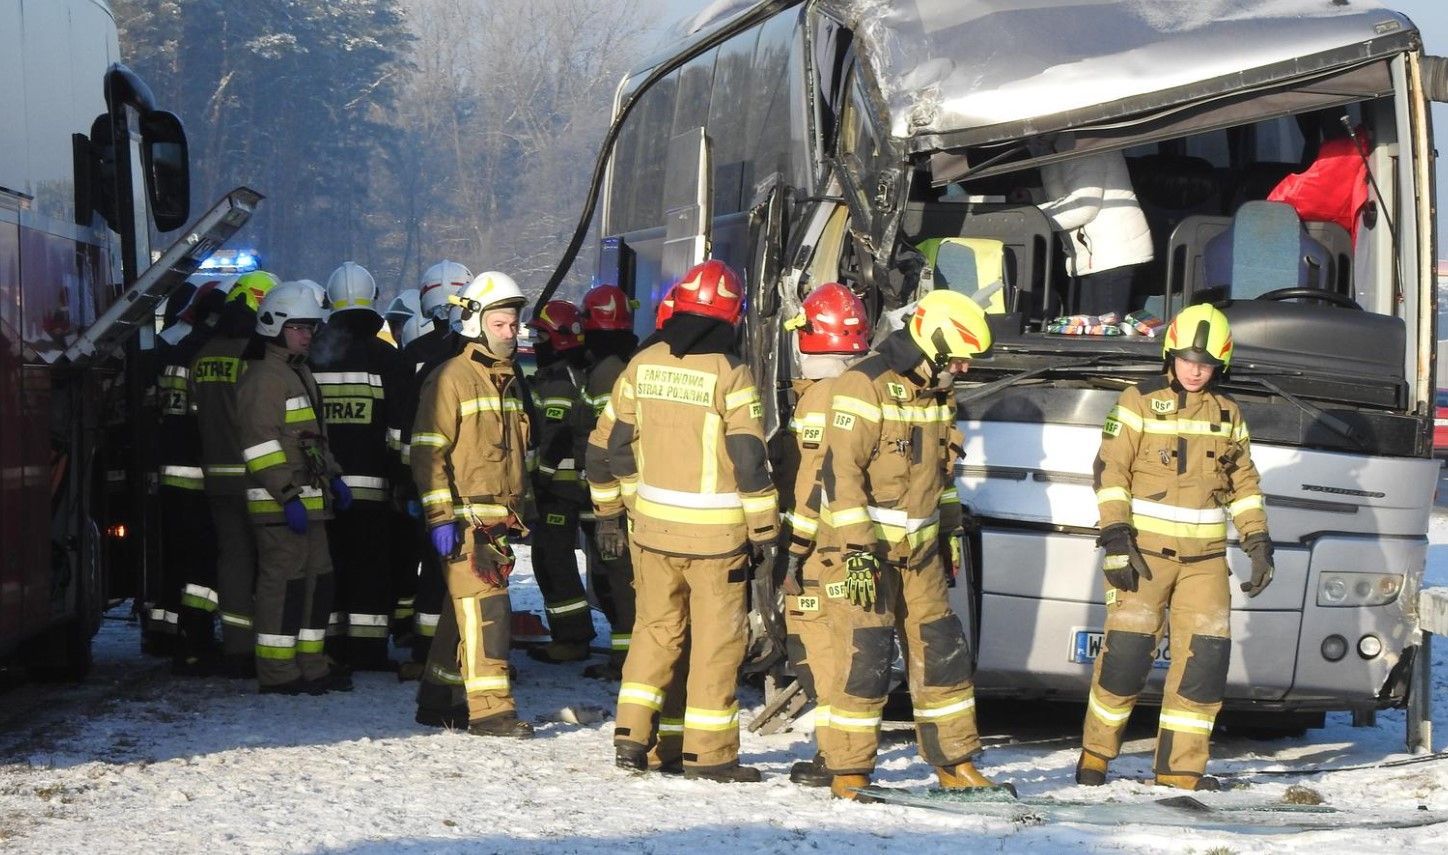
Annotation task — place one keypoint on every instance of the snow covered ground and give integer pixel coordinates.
(135, 761)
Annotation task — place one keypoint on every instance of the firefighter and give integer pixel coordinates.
(557, 385)
(1175, 462)
(356, 373)
(469, 446)
(608, 335)
(833, 331)
(887, 496)
(435, 344)
(294, 485)
(687, 450)
(212, 387)
(188, 539)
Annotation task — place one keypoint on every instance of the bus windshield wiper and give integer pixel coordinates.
(1011, 379)
(1324, 418)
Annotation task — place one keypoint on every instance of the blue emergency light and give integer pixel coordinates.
(231, 261)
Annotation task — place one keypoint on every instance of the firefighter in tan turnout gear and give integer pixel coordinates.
(888, 503)
(1175, 462)
(833, 333)
(212, 387)
(294, 485)
(468, 458)
(687, 449)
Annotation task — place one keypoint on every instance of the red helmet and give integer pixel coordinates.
(559, 324)
(712, 290)
(666, 309)
(607, 307)
(835, 321)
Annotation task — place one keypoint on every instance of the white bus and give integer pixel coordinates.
(900, 149)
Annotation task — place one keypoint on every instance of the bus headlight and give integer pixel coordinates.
(1358, 589)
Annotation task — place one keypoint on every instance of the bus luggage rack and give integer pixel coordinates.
(137, 306)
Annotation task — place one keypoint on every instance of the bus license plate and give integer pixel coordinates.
(1086, 646)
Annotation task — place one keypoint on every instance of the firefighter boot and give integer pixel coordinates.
(811, 773)
(1202, 783)
(844, 787)
(727, 773)
(507, 724)
(453, 719)
(557, 652)
(1091, 769)
(964, 776)
(631, 756)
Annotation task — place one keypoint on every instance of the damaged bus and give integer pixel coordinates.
(900, 147)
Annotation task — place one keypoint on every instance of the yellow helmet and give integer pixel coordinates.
(1199, 334)
(251, 287)
(948, 325)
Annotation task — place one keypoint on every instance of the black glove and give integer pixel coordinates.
(862, 574)
(1259, 548)
(610, 534)
(1124, 564)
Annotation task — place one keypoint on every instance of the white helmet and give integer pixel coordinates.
(403, 306)
(491, 290)
(352, 287)
(415, 327)
(289, 301)
(441, 281)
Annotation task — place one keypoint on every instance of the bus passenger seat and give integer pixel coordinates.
(975, 267)
(1265, 249)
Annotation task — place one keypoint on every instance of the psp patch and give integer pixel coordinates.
(1163, 405)
(807, 604)
(844, 421)
(756, 410)
(554, 413)
(1112, 428)
(896, 390)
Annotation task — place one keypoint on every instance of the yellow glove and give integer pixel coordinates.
(862, 574)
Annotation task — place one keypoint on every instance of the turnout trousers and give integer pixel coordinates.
(1196, 595)
(469, 651)
(912, 601)
(294, 592)
(431, 600)
(365, 601)
(236, 557)
(188, 556)
(404, 558)
(555, 566)
(808, 641)
(613, 585)
(689, 635)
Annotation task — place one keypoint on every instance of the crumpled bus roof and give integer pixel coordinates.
(955, 72)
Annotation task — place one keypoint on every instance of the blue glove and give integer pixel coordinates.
(296, 515)
(414, 509)
(445, 538)
(342, 493)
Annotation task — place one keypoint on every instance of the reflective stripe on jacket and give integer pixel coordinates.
(469, 440)
(357, 385)
(1175, 465)
(557, 391)
(803, 453)
(283, 439)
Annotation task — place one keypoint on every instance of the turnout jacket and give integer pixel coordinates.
(357, 385)
(284, 442)
(1174, 464)
(418, 360)
(212, 383)
(887, 485)
(557, 391)
(597, 388)
(685, 454)
(470, 440)
(178, 453)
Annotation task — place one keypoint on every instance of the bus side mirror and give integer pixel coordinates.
(166, 161)
(1435, 78)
